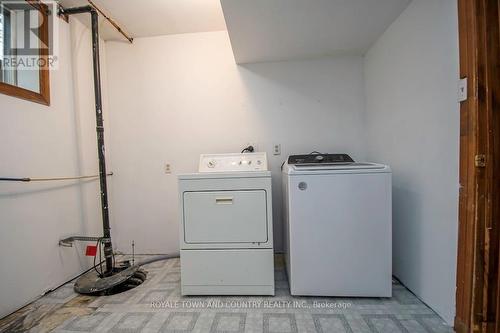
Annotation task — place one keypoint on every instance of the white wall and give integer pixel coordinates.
(412, 122)
(41, 141)
(175, 97)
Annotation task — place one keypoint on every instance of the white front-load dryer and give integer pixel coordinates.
(226, 229)
(338, 226)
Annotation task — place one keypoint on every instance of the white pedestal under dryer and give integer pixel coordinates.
(338, 226)
(226, 230)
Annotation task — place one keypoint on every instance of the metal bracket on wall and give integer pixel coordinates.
(68, 242)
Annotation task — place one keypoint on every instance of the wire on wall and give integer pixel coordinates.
(45, 179)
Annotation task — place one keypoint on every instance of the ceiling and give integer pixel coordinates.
(264, 30)
(260, 30)
(143, 18)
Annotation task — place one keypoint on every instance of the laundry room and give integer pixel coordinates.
(249, 166)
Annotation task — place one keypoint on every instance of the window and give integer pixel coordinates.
(24, 51)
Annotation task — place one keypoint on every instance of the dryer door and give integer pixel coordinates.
(225, 217)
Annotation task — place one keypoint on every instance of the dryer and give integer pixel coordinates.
(226, 238)
(338, 226)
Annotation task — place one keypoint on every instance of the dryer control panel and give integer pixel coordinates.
(233, 162)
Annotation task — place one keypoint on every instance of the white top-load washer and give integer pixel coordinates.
(226, 238)
(338, 226)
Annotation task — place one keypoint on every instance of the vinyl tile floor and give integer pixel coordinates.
(157, 306)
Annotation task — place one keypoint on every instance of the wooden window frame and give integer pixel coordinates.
(43, 96)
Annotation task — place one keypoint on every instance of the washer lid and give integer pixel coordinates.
(233, 162)
(355, 167)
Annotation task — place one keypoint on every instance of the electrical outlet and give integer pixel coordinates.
(277, 149)
(168, 168)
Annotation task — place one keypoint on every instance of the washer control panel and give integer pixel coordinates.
(233, 162)
(319, 159)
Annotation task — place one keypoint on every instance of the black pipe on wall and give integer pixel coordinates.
(108, 247)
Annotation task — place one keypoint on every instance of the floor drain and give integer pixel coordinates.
(93, 283)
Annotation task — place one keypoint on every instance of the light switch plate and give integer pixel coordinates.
(462, 90)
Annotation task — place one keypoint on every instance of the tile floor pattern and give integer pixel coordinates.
(157, 306)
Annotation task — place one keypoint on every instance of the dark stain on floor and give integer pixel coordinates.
(46, 317)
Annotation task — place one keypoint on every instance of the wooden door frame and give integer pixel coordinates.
(477, 301)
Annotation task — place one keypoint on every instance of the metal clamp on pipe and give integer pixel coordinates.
(68, 242)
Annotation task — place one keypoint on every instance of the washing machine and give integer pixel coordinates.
(226, 227)
(338, 226)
